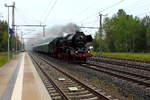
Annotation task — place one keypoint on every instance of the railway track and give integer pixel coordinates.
(127, 59)
(133, 77)
(63, 86)
(122, 62)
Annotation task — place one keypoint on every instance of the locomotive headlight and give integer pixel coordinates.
(90, 47)
(76, 51)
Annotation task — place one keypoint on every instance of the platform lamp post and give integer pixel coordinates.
(8, 45)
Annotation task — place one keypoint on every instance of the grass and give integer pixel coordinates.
(137, 56)
(4, 58)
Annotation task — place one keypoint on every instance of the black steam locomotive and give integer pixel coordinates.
(72, 47)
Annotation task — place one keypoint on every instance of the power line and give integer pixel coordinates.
(34, 26)
(89, 27)
(139, 8)
(93, 15)
(135, 3)
(146, 5)
(143, 13)
(46, 9)
(116, 4)
(50, 11)
(20, 16)
(90, 21)
(84, 10)
(26, 17)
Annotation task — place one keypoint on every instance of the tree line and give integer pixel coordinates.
(124, 33)
(4, 38)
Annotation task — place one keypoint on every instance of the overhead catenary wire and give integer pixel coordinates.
(134, 4)
(47, 9)
(50, 10)
(91, 21)
(22, 16)
(143, 13)
(84, 10)
(136, 10)
(111, 6)
(18, 14)
(134, 7)
(27, 22)
(117, 3)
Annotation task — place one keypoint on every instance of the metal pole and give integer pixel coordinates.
(43, 31)
(21, 41)
(13, 22)
(16, 39)
(23, 44)
(13, 26)
(100, 30)
(13, 16)
(8, 34)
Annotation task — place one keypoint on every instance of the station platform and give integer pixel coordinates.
(19, 80)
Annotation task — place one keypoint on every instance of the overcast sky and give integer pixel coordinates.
(61, 12)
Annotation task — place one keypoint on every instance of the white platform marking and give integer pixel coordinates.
(17, 92)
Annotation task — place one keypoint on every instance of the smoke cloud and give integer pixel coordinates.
(54, 32)
(57, 31)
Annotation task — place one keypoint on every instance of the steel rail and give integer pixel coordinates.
(117, 75)
(64, 97)
(100, 96)
(122, 64)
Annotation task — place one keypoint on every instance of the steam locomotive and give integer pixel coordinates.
(72, 47)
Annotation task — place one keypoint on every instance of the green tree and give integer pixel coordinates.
(148, 37)
(146, 29)
(109, 37)
(123, 33)
(3, 36)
